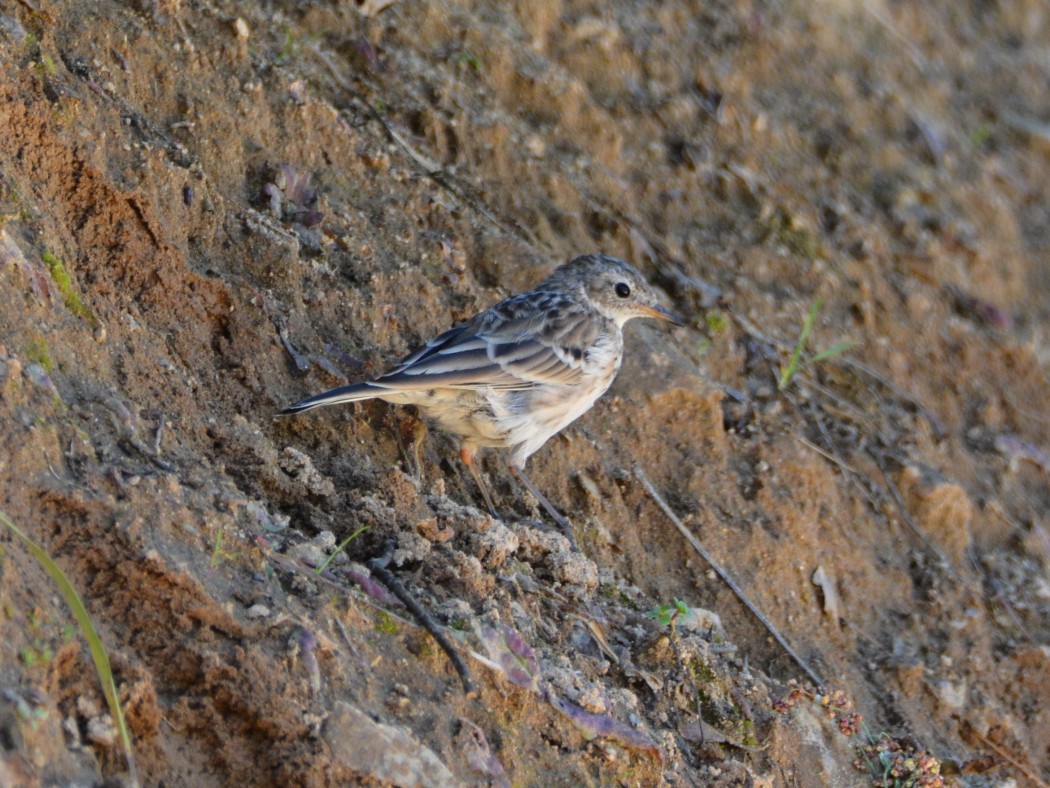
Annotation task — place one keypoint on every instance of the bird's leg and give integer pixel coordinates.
(554, 513)
(467, 454)
(409, 433)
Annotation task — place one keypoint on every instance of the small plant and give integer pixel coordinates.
(716, 321)
(26, 706)
(896, 764)
(219, 553)
(892, 763)
(288, 50)
(292, 48)
(38, 352)
(665, 615)
(797, 361)
(468, 59)
(39, 653)
(87, 628)
(837, 707)
(341, 547)
(980, 136)
(45, 67)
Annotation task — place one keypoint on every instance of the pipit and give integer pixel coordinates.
(522, 370)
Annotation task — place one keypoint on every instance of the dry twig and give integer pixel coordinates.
(1006, 756)
(387, 579)
(378, 567)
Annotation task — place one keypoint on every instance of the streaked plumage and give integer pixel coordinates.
(522, 370)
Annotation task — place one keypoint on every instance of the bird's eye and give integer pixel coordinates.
(622, 289)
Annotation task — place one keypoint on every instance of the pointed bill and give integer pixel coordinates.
(661, 314)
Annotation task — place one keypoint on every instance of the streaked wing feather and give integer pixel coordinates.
(441, 342)
(507, 347)
(491, 376)
(534, 366)
(467, 361)
(471, 343)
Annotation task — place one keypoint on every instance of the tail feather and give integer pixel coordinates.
(351, 393)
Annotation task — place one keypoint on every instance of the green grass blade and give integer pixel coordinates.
(832, 351)
(788, 372)
(98, 651)
(341, 547)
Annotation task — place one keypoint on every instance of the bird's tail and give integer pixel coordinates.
(351, 393)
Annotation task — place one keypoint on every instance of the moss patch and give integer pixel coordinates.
(70, 297)
(37, 350)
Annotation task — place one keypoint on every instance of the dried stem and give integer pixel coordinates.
(1006, 756)
(378, 567)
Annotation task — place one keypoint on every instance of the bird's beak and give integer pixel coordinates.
(660, 313)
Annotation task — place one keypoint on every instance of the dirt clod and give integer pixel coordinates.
(209, 211)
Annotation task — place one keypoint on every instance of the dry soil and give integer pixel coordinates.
(209, 209)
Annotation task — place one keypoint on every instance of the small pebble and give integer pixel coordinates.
(87, 707)
(100, 731)
(325, 540)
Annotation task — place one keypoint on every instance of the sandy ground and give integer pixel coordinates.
(211, 209)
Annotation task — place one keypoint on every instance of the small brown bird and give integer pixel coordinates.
(522, 370)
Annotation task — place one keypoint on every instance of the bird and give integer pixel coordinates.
(522, 370)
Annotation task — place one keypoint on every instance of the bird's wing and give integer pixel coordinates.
(524, 341)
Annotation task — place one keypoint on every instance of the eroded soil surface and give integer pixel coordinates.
(209, 210)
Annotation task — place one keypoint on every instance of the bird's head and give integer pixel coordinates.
(615, 288)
